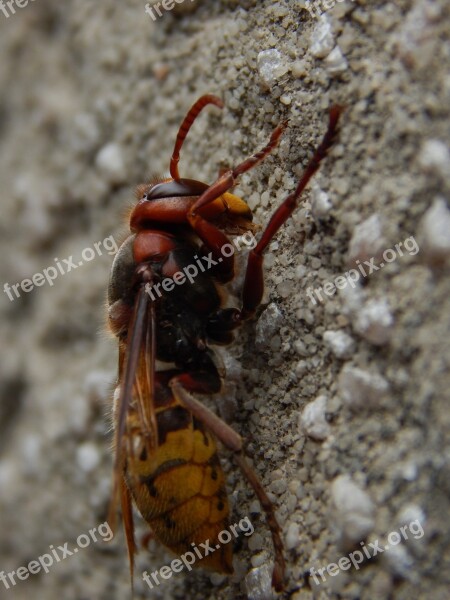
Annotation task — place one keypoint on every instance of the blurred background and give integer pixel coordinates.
(342, 402)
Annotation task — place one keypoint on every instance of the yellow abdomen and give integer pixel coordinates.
(179, 488)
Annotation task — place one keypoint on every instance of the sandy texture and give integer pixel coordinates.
(92, 95)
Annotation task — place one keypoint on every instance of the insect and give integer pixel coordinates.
(166, 458)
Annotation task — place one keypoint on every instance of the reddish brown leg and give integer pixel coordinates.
(233, 441)
(254, 281)
(211, 236)
(219, 428)
(279, 564)
(186, 125)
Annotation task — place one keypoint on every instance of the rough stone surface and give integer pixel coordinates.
(79, 77)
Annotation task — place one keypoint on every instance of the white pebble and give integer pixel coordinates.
(285, 288)
(322, 39)
(268, 325)
(413, 34)
(359, 388)
(336, 62)
(352, 298)
(88, 457)
(292, 536)
(435, 231)
(255, 507)
(110, 162)
(340, 343)
(367, 240)
(299, 69)
(354, 514)
(409, 514)
(409, 470)
(399, 562)
(434, 157)
(313, 419)
(259, 583)
(374, 322)
(271, 66)
(320, 203)
(258, 559)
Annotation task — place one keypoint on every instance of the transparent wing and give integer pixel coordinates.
(135, 416)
